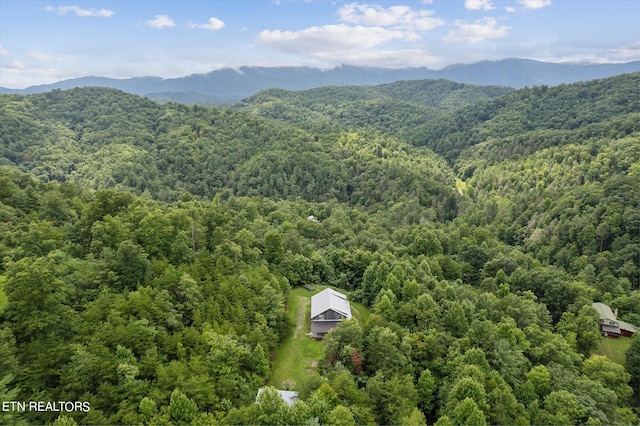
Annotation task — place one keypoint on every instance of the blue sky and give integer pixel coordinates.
(47, 41)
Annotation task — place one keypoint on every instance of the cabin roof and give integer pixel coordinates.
(604, 311)
(627, 326)
(329, 299)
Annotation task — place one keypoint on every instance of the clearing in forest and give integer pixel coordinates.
(615, 349)
(297, 357)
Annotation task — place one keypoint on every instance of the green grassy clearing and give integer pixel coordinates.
(360, 312)
(614, 349)
(298, 355)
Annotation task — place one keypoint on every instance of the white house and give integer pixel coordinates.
(328, 308)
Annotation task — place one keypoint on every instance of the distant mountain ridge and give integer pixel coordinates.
(229, 85)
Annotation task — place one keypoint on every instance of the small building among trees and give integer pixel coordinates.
(610, 325)
(328, 308)
(287, 396)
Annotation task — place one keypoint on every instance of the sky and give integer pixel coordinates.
(47, 41)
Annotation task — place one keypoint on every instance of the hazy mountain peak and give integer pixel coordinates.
(232, 84)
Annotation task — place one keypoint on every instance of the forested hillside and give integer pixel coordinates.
(148, 253)
(525, 114)
(102, 138)
(394, 109)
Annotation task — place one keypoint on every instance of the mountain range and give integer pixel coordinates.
(228, 85)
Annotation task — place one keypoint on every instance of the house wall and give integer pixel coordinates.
(322, 327)
(610, 330)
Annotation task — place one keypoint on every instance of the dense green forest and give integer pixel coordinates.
(148, 253)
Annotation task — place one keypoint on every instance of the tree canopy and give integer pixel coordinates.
(148, 253)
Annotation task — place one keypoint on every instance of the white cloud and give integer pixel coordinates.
(4, 52)
(534, 4)
(333, 45)
(398, 17)
(399, 58)
(161, 21)
(39, 56)
(620, 54)
(16, 65)
(213, 25)
(329, 38)
(479, 4)
(21, 77)
(477, 31)
(630, 52)
(62, 10)
(370, 35)
(511, 9)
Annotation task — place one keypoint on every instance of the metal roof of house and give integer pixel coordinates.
(627, 326)
(329, 299)
(604, 311)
